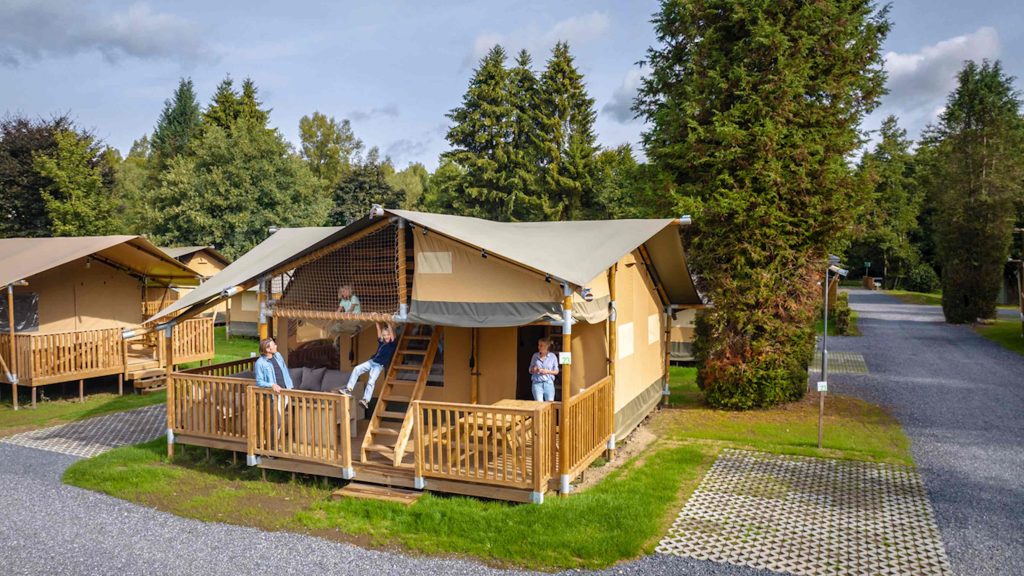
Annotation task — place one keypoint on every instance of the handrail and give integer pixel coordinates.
(502, 446)
(223, 369)
(209, 406)
(590, 420)
(193, 340)
(298, 425)
(48, 357)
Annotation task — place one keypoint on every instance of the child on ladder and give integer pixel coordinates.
(378, 363)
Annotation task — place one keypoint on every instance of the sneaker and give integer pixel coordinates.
(344, 392)
(364, 404)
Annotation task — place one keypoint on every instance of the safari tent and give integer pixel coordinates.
(453, 413)
(207, 262)
(67, 301)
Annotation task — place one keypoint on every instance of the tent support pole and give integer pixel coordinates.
(169, 341)
(474, 366)
(403, 304)
(13, 375)
(563, 432)
(613, 350)
(261, 302)
(667, 343)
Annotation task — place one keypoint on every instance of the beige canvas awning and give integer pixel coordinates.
(22, 258)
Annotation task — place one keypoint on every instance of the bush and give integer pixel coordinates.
(922, 279)
(842, 314)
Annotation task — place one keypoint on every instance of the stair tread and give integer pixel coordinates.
(397, 398)
(385, 431)
(374, 492)
(390, 414)
(409, 367)
(416, 352)
(381, 448)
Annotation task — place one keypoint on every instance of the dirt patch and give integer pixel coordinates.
(634, 444)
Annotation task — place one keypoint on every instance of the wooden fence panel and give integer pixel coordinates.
(298, 425)
(589, 419)
(209, 406)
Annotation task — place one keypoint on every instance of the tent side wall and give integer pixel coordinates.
(73, 297)
(639, 369)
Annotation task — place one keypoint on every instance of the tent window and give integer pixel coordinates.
(26, 312)
(434, 263)
(653, 328)
(625, 340)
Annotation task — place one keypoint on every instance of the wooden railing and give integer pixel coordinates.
(62, 356)
(193, 340)
(226, 369)
(210, 407)
(507, 447)
(589, 419)
(306, 426)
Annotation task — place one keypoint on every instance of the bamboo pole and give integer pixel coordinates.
(13, 346)
(613, 349)
(403, 305)
(169, 343)
(563, 432)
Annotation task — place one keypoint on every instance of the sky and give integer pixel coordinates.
(395, 68)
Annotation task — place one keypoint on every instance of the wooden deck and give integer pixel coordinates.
(507, 451)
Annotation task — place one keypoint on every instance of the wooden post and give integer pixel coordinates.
(169, 379)
(474, 366)
(13, 346)
(613, 350)
(566, 369)
(33, 397)
(261, 299)
(81, 392)
(120, 384)
(403, 305)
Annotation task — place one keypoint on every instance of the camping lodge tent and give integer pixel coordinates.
(453, 412)
(206, 261)
(67, 301)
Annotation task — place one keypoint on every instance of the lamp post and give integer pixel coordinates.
(833, 267)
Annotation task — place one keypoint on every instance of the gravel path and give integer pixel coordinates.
(960, 399)
(49, 528)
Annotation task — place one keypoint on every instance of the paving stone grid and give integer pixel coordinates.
(810, 516)
(840, 363)
(87, 438)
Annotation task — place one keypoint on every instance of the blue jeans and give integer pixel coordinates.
(369, 366)
(544, 391)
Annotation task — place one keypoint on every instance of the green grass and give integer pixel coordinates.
(908, 297)
(1006, 333)
(225, 350)
(620, 517)
(832, 330)
(66, 410)
(854, 429)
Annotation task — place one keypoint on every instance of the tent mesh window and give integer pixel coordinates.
(367, 267)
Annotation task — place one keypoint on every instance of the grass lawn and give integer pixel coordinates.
(908, 297)
(619, 518)
(227, 350)
(833, 331)
(1004, 332)
(66, 410)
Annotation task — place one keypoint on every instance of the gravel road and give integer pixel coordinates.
(960, 399)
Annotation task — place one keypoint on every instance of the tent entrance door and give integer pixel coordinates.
(526, 345)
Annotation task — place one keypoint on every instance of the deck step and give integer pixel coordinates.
(393, 415)
(416, 352)
(387, 431)
(374, 492)
(380, 449)
(398, 398)
(408, 367)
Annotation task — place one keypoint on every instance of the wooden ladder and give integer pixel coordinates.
(415, 352)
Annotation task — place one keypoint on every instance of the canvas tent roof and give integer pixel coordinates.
(22, 258)
(182, 251)
(576, 252)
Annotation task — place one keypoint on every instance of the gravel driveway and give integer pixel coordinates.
(960, 399)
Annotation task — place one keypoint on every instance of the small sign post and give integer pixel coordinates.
(565, 358)
(867, 266)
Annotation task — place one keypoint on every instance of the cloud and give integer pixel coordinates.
(33, 30)
(388, 111)
(576, 30)
(406, 150)
(920, 81)
(620, 107)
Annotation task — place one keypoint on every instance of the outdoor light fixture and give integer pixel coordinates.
(483, 253)
(685, 220)
(833, 267)
(88, 262)
(837, 270)
(272, 229)
(376, 211)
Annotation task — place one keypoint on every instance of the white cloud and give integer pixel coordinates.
(620, 107)
(919, 82)
(386, 111)
(576, 31)
(33, 30)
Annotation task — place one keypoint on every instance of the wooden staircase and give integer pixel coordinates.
(392, 422)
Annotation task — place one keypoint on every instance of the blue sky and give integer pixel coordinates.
(395, 68)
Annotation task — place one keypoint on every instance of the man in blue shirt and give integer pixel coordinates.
(386, 345)
(270, 369)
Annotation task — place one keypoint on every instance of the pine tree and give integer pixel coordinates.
(225, 107)
(754, 112)
(524, 144)
(180, 122)
(480, 137)
(974, 172)
(568, 145)
(250, 106)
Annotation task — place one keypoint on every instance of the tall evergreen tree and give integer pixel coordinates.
(888, 218)
(228, 106)
(568, 145)
(754, 111)
(974, 171)
(179, 123)
(480, 139)
(525, 142)
(250, 106)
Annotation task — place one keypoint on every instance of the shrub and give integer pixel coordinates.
(922, 279)
(842, 314)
